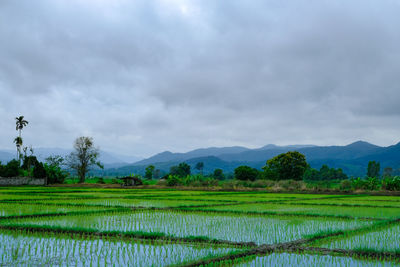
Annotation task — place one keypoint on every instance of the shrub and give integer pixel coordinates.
(54, 174)
(290, 185)
(246, 173)
(174, 180)
(116, 181)
(219, 174)
(39, 171)
(11, 169)
(391, 183)
(371, 183)
(345, 185)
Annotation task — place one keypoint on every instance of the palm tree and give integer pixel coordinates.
(20, 123)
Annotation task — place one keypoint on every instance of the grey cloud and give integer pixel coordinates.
(144, 76)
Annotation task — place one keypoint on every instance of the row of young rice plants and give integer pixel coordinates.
(252, 197)
(18, 209)
(138, 202)
(302, 260)
(318, 210)
(233, 227)
(377, 238)
(350, 202)
(48, 249)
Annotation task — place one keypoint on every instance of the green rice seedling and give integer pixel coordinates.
(122, 202)
(350, 202)
(51, 249)
(18, 209)
(321, 210)
(287, 259)
(232, 227)
(380, 240)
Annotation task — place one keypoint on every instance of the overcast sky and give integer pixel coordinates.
(146, 76)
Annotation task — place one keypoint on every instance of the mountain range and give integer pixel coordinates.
(352, 158)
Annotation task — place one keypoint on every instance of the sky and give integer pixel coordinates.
(143, 76)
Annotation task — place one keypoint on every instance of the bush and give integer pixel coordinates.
(345, 185)
(54, 174)
(11, 169)
(290, 185)
(246, 173)
(116, 181)
(39, 171)
(371, 183)
(174, 180)
(219, 174)
(391, 183)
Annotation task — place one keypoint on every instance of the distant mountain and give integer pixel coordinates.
(225, 153)
(202, 152)
(352, 158)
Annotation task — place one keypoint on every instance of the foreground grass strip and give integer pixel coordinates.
(117, 234)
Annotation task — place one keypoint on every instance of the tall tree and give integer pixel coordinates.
(84, 157)
(149, 172)
(374, 168)
(290, 165)
(200, 166)
(182, 170)
(20, 123)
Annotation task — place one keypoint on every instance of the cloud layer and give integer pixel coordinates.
(146, 76)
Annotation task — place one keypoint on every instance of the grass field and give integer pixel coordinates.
(144, 227)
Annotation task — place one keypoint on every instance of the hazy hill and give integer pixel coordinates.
(352, 158)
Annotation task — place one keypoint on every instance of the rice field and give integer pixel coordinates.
(147, 227)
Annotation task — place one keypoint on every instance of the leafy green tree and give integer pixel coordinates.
(374, 168)
(149, 171)
(182, 170)
(290, 165)
(38, 170)
(11, 169)
(199, 166)
(246, 173)
(54, 173)
(84, 157)
(219, 174)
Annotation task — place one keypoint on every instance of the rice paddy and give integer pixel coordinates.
(146, 227)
